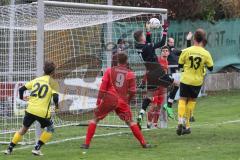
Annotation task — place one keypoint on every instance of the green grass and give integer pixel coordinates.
(211, 139)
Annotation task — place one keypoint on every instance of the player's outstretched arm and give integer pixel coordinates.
(164, 37)
(102, 91)
(21, 92)
(189, 38)
(148, 33)
(56, 99)
(104, 85)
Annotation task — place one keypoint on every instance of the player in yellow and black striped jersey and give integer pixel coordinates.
(193, 60)
(43, 90)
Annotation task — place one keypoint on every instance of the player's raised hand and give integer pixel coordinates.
(166, 25)
(189, 36)
(148, 26)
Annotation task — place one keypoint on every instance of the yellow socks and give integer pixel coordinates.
(187, 116)
(189, 109)
(45, 136)
(16, 138)
(191, 105)
(192, 108)
(181, 110)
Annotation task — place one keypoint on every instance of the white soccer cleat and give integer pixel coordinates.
(8, 152)
(37, 152)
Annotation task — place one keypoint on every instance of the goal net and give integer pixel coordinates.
(80, 39)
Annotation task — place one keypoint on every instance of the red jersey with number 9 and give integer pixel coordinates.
(119, 80)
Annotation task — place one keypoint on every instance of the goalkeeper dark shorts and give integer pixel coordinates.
(30, 118)
(188, 91)
(156, 78)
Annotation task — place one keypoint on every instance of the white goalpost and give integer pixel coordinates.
(80, 39)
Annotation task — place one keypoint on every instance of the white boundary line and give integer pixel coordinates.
(125, 132)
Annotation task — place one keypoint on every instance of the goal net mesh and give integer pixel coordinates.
(81, 42)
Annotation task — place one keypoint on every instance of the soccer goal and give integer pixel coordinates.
(80, 39)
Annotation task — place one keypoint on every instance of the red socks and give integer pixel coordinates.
(137, 133)
(90, 132)
(150, 116)
(153, 116)
(156, 117)
(134, 127)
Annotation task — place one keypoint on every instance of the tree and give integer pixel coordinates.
(210, 10)
(4, 2)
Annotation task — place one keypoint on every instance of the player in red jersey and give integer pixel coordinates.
(160, 94)
(116, 91)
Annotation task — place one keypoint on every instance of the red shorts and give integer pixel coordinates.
(159, 96)
(112, 103)
(158, 100)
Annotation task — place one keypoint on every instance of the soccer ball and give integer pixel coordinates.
(154, 23)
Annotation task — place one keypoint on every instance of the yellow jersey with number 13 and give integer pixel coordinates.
(194, 60)
(42, 89)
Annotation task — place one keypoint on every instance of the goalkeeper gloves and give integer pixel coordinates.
(165, 26)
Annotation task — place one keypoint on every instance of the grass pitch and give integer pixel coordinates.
(215, 136)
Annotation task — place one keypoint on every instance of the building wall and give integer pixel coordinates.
(222, 81)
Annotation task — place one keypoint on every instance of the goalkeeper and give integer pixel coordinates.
(159, 95)
(155, 73)
(38, 109)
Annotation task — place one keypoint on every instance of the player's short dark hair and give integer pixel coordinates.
(200, 35)
(49, 67)
(122, 58)
(165, 47)
(137, 35)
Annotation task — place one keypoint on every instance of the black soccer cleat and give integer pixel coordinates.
(84, 146)
(192, 119)
(180, 129)
(186, 131)
(8, 151)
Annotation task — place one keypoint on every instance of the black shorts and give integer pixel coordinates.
(30, 118)
(156, 78)
(189, 91)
